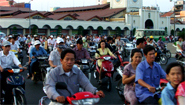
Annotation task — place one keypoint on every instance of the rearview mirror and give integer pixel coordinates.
(60, 85)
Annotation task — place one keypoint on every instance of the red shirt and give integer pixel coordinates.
(180, 90)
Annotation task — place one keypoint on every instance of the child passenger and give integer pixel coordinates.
(174, 75)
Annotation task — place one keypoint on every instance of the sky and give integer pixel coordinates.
(45, 5)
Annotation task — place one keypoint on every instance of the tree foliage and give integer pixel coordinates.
(34, 30)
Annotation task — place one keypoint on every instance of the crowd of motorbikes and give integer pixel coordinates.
(89, 68)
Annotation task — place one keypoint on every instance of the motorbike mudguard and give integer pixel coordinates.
(108, 65)
(20, 89)
(108, 74)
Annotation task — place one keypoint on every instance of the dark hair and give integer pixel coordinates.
(148, 48)
(151, 39)
(173, 64)
(160, 37)
(79, 41)
(109, 38)
(179, 38)
(135, 51)
(63, 54)
(99, 46)
(140, 40)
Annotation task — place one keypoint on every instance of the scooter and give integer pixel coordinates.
(180, 56)
(160, 57)
(107, 71)
(157, 93)
(40, 73)
(85, 67)
(167, 52)
(80, 98)
(15, 80)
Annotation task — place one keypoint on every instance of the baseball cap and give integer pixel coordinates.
(51, 36)
(10, 36)
(36, 42)
(28, 35)
(67, 37)
(6, 43)
(59, 40)
(35, 35)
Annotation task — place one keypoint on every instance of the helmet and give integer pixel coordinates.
(151, 37)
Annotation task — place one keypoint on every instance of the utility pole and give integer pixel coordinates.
(29, 19)
(174, 19)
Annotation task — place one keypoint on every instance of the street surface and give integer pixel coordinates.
(34, 91)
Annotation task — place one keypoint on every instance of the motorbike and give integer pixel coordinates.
(80, 98)
(43, 64)
(158, 91)
(106, 73)
(84, 65)
(92, 51)
(180, 56)
(15, 80)
(160, 57)
(166, 52)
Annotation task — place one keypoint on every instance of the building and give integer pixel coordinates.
(117, 17)
(100, 2)
(5, 3)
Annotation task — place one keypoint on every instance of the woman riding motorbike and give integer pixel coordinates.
(102, 50)
(129, 76)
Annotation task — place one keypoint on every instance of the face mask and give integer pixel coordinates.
(61, 46)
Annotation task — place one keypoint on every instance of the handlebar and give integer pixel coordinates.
(13, 70)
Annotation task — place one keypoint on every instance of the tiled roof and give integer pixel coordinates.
(10, 13)
(167, 14)
(26, 15)
(59, 16)
(71, 9)
(2, 8)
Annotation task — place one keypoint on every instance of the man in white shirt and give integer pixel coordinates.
(96, 40)
(7, 59)
(51, 43)
(14, 46)
(68, 41)
(21, 38)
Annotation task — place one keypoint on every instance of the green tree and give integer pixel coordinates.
(118, 31)
(34, 30)
(166, 30)
(14, 30)
(182, 34)
(172, 32)
(59, 30)
(134, 31)
(80, 30)
(100, 30)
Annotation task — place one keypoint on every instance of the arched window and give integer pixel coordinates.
(68, 18)
(37, 17)
(94, 19)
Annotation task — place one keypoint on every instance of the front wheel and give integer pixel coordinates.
(120, 89)
(109, 84)
(163, 59)
(168, 54)
(20, 99)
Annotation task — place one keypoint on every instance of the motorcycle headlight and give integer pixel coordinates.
(104, 69)
(88, 101)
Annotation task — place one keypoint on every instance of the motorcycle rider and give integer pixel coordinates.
(129, 76)
(81, 52)
(28, 39)
(54, 58)
(68, 41)
(148, 75)
(7, 59)
(51, 42)
(38, 51)
(102, 50)
(160, 43)
(69, 74)
(14, 46)
(109, 42)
